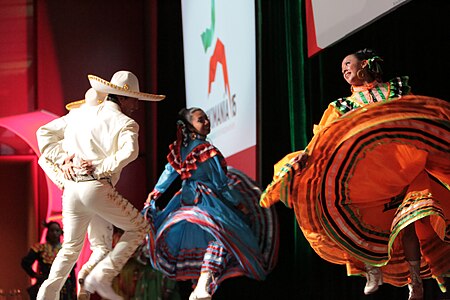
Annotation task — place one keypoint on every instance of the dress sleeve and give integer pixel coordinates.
(165, 180)
(329, 115)
(220, 180)
(128, 150)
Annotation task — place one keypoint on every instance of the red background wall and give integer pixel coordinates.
(47, 49)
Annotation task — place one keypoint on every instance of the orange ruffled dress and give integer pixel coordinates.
(370, 173)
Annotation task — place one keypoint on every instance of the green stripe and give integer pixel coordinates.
(381, 261)
(363, 98)
(381, 93)
(346, 176)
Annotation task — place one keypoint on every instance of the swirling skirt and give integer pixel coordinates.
(370, 174)
(180, 234)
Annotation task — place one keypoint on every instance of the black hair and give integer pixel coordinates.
(374, 62)
(365, 53)
(185, 114)
(184, 123)
(113, 98)
(49, 224)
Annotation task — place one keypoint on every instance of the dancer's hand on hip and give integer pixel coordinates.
(68, 168)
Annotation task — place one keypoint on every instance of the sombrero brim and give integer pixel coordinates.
(78, 103)
(107, 87)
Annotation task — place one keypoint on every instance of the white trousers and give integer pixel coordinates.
(100, 234)
(82, 201)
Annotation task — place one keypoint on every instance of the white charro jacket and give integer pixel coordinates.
(101, 134)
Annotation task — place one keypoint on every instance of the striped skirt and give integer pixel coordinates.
(181, 234)
(370, 174)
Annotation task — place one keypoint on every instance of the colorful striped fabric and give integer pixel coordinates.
(180, 233)
(374, 92)
(198, 155)
(369, 175)
(46, 252)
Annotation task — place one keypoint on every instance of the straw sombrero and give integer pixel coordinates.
(123, 83)
(91, 98)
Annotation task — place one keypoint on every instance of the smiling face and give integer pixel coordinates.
(200, 122)
(350, 67)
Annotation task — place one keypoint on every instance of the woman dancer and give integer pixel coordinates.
(371, 189)
(213, 228)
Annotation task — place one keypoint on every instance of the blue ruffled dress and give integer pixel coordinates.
(215, 202)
